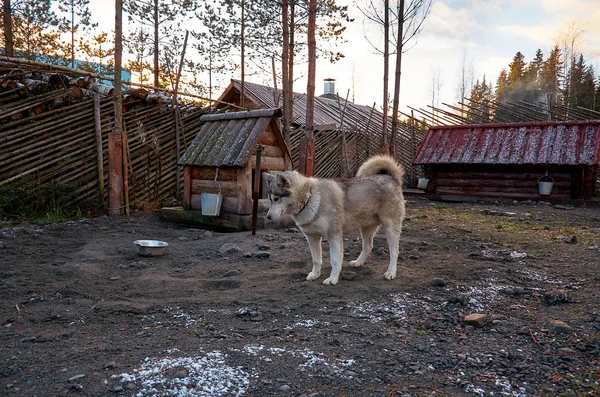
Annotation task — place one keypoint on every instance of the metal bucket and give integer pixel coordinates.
(423, 182)
(545, 187)
(211, 203)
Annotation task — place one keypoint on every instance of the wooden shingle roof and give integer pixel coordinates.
(228, 139)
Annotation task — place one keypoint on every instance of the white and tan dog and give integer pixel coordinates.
(324, 208)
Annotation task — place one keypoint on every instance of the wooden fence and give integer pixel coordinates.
(59, 144)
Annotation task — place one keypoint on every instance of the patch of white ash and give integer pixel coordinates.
(532, 275)
(186, 319)
(312, 361)
(392, 306)
(308, 323)
(201, 376)
(499, 386)
(484, 293)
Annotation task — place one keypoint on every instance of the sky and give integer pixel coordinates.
(483, 35)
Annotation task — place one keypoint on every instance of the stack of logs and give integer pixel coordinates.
(32, 93)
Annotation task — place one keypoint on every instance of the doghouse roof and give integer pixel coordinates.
(557, 143)
(228, 139)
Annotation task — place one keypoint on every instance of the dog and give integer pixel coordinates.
(324, 208)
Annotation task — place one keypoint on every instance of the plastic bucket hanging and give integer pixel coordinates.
(423, 183)
(545, 186)
(210, 202)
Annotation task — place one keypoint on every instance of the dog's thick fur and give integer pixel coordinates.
(324, 208)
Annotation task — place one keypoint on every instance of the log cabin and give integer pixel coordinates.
(507, 161)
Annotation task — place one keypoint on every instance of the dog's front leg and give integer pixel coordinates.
(336, 250)
(314, 243)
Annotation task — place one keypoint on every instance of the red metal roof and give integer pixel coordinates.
(558, 143)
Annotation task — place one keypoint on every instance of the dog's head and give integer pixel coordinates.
(279, 190)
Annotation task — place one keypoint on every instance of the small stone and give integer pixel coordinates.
(110, 365)
(231, 273)
(475, 319)
(115, 278)
(519, 290)
(414, 254)
(117, 389)
(207, 234)
(285, 388)
(262, 254)
(348, 276)
(556, 296)
(571, 240)
(264, 247)
(181, 374)
(560, 327)
(76, 377)
(438, 282)
(381, 251)
(229, 248)
(566, 350)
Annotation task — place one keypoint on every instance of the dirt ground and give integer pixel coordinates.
(232, 315)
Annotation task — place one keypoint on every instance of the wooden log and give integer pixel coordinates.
(187, 186)
(102, 89)
(269, 163)
(55, 80)
(229, 189)
(99, 154)
(158, 97)
(267, 138)
(208, 173)
(270, 151)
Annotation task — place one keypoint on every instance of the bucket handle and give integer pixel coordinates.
(215, 180)
(545, 176)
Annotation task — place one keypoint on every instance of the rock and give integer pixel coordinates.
(438, 282)
(475, 319)
(110, 365)
(559, 327)
(181, 374)
(285, 388)
(264, 247)
(262, 254)
(207, 234)
(566, 350)
(571, 240)
(76, 377)
(348, 276)
(231, 273)
(519, 290)
(556, 296)
(381, 251)
(229, 248)
(414, 254)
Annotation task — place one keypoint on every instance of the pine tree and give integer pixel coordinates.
(98, 54)
(551, 75)
(78, 19)
(532, 78)
(139, 46)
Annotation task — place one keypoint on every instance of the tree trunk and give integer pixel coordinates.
(8, 30)
(310, 89)
(285, 70)
(243, 61)
(72, 35)
(116, 168)
(397, 80)
(386, 72)
(156, 23)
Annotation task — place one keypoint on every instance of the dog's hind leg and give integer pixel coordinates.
(392, 234)
(314, 243)
(336, 251)
(366, 234)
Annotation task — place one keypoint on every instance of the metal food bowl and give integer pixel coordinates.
(151, 247)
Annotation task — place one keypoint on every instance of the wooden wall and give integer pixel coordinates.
(511, 182)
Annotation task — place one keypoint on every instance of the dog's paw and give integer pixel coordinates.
(330, 281)
(389, 275)
(313, 276)
(355, 263)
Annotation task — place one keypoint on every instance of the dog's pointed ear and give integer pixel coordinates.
(268, 177)
(283, 181)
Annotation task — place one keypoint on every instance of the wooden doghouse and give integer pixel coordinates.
(225, 149)
(506, 161)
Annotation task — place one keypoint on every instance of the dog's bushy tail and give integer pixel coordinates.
(382, 165)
